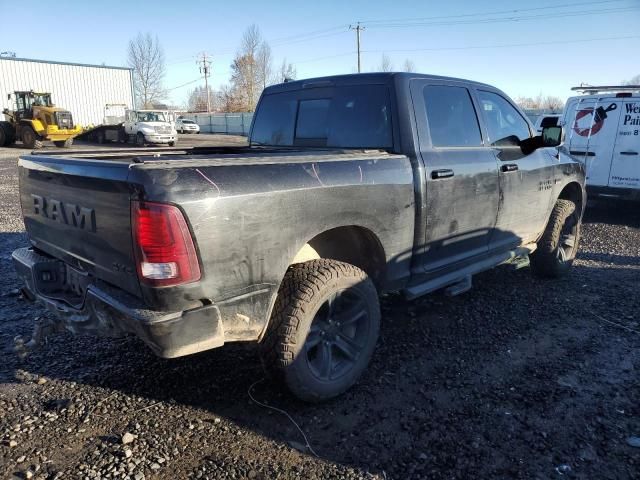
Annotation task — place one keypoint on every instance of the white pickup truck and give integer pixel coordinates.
(139, 126)
(149, 126)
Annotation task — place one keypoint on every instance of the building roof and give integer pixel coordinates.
(63, 63)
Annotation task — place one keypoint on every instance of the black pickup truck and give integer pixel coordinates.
(350, 186)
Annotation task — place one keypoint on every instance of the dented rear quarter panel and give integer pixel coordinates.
(249, 223)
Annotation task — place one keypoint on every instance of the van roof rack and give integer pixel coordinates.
(606, 88)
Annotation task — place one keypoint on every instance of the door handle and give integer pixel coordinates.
(509, 167)
(444, 173)
(629, 152)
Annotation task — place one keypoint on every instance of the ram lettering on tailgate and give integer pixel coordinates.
(70, 214)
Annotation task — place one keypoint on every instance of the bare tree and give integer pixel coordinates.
(198, 99)
(385, 64)
(635, 80)
(146, 58)
(251, 69)
(287, 72)
(551, 103)
(229, 101)
(265, 65)
(541, 102)
(409, 66)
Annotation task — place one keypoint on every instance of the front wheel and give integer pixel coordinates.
(323, 329)
(140, 139)
(171, 144)
(64, 143)
(30, 139)
(558, 245)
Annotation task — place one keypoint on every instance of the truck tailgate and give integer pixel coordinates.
(78, 210)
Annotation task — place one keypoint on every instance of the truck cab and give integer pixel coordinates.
(150, 126)
(603, 131)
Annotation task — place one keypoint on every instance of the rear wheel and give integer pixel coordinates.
(140, 139)
(122, 136)
(323, 329)
(30, 139)
(558, 245)
(64, 143)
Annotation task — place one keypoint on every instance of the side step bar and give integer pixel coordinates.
(459, 281)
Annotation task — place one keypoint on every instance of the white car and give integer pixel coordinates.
(184, 125)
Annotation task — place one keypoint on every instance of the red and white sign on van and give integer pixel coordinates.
(589, 121)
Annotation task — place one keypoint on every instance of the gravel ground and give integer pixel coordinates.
(519, 378)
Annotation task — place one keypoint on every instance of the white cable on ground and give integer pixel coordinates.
(308, 445)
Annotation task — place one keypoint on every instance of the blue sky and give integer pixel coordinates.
(545, 48)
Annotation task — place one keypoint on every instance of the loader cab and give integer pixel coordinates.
(25, 101)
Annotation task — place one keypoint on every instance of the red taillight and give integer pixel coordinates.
(165, 254)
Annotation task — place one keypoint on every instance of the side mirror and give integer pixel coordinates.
(551, 136)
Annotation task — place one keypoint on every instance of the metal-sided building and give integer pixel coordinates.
(82, 89)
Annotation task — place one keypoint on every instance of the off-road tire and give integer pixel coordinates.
(30, 139)
(140, 139)
(3, 135)
(305, 289)
(64, 143)
(546, 261)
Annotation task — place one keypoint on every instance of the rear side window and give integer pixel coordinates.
(505, 125)
(344, 117)
(452, 118)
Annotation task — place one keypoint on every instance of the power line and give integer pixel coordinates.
(497, 12)
(317, 59)
(505, 19)
(184, 84)
(554, 42)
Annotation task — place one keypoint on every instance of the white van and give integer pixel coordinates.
(603, 130)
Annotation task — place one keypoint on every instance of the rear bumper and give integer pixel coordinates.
(615, 193)
(107, 311)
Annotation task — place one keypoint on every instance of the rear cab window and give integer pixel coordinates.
(451, 116)
(354, 116)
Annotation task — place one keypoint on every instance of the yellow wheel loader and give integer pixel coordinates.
(34, 119)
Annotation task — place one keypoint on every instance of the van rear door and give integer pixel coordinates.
(591, 125)
(625, 166)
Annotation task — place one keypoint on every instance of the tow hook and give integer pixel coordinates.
(43, 329)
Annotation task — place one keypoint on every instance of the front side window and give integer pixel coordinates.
(452, 118)
(151, 117)
(505, 125)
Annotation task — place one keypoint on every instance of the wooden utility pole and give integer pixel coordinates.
(358, 28)
(205, 69)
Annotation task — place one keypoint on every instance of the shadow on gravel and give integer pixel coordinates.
(517, 368)
(614, 213)
(513, 378)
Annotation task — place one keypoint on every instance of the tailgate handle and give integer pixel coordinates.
(629, 152)
(509, 167)
(444, 173)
